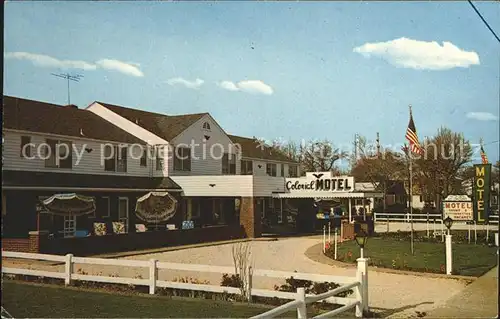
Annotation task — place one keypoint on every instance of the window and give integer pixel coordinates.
(182, 159)
(106, 207)
(69, 225)
(282, 170)
(246, 167)
(116, 158)
(123, 211)
(192, 208)
(206, 126)
(228, 164)
(278, 203)
(4, 204)
(271, 169)
(25, 151)
(293, 171)
(390, 199)
(144, 158)
(58, 154)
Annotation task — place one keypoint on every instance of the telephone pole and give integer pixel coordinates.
(68, 77)
(378, 144)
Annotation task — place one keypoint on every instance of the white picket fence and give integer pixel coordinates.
(299, 298)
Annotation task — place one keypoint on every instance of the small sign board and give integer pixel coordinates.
(458, 208)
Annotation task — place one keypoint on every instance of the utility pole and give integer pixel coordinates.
(378, 145)
(68, 77)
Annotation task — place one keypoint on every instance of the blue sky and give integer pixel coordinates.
(285, 70)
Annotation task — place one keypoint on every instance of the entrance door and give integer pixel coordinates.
(123, 211)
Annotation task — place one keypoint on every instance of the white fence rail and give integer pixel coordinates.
(417, 218)
(299, 299)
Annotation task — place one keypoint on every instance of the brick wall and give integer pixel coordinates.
(251, 223)
(16, 244)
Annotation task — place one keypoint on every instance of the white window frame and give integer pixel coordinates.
(229, 164)
(177, 152)
(121, 219)
(117, 149)
(244, 167)
(69, 226)
(51, 161)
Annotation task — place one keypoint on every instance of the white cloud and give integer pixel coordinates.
(50, 62)
(482, 116)
(249, 86)
(116, 65)
(228, 85)
(188, 84)
(416, 54)
(46, 61)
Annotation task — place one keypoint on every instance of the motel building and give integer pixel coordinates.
(110, 178)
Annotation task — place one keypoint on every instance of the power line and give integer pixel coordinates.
(67, 76)
(486, 23)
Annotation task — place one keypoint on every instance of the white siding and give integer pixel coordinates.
(264, 186)
(259, 171)
(416, 203)
(90, 162)
(206, 155)
(238, 185)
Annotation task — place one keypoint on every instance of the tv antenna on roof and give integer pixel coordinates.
(69, 77)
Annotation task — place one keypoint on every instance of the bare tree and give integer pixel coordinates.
(242, 253)
(439, 171)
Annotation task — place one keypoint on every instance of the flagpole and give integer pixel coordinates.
(411, 195)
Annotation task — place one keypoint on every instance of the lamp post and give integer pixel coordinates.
(448, 222)
(361, 238)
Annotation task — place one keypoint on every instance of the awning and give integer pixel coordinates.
(156, 207)
(327, 195)
(69, 204)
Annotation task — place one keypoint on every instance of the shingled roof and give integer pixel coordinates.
(252, 148)
(164, 126)
(35, 116)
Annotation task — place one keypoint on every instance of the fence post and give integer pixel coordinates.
(68, 269)
(335, 244)
(249, 283)
(324, 238)
(301, 309)
(362, 290)
(153, 275)
(442, 231)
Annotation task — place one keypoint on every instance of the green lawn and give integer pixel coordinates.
(395, 253)
(30, 300)
(27, 300)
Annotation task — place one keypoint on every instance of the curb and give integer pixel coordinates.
(315, 253)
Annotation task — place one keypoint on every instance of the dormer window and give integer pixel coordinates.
(206, 126)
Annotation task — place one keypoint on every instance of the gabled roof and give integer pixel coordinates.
(164, 126)
(252, 148)
(40, 117)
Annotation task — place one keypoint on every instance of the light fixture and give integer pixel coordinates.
(361, 238)
(448, 222)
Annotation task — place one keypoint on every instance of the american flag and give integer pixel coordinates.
(484, 158)
(411, 136)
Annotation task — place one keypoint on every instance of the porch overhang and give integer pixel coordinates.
(71, 182)
(327, 195)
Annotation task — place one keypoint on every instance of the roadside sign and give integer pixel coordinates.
(458, 208)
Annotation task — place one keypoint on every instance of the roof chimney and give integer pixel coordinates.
(71, 106)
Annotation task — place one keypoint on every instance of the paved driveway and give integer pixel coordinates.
(392, 292)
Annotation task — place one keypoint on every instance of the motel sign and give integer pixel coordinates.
(458, 208)
(481, 192)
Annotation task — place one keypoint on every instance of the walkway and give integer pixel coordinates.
(478, 300)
